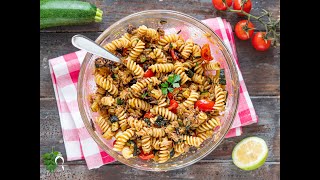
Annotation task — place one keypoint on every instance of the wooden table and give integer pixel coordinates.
(260, 71)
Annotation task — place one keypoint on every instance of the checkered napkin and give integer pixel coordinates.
(78, 143)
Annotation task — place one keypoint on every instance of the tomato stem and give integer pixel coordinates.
(270, 27)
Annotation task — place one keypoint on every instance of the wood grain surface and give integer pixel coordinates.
(260, 70)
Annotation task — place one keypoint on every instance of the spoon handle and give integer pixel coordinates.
(84, 43)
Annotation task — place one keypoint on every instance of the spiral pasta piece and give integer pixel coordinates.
(212, 66)
(94, 106)
(159, 55)
(146, 144)
(164, 153)
(107, 101)
(148, 32)
(108, 134)
(186, 49)
(179, 69)
(198, 78)
(164, 112)
(156, 143)
(199, 70)
(210, 125)
(127, 152)
(162, 102)
(188, 64)
(157, 132)
(168, 39)
(137, 50)
(132, 66)
(122, 139)
(197, 62)
(106, 84)
(122, 116)
(103, 124)
(144, 132)
(193, 97)
(122, 42)
(159, 68)
(139, 104)
(137, 87)
(192, 141)
(205, 135)
(136, 124)
(220, 98)
(126, 36)
(201, 118)
(196, 51)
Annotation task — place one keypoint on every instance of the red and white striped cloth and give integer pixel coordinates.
(78, 143)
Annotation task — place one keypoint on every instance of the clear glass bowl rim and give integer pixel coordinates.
(231, 65)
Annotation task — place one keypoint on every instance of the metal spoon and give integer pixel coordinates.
(82, 42)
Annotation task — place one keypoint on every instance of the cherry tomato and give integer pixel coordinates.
(146, 156)
(148, 73)
(174, 111)
(259, 42)
(204, 105)
(246, 6)
(173, 104)
(170, 95)
(148, 115)
(114, 142)
(174, 57)
(243, 30)
(206, 53)
(221, 5)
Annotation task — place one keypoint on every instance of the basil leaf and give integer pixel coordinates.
(164, 91)
(170, 79)
(164, 85)
(170, 89)
(175, 85)
(176, 78)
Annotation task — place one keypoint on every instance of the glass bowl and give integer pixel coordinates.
(171, 22)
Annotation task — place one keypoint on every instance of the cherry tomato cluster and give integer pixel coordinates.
(244, 29)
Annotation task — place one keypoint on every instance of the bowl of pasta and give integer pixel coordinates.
(170, 102)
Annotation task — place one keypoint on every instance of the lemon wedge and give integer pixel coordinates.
(250, 153)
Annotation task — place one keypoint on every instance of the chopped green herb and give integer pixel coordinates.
(114, 76)
(143, 58)
(164, 91)
(119, 101)
(172, 82)
(144, 95)
(197, 64)
(164, 85)
(160, 121)
(170, 46)
(189, 73)
(49, 160)
(222, 77)
(175, 85)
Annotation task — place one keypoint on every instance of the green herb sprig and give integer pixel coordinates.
(172, 82)
(50, 160)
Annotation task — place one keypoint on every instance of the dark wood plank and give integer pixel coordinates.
(200, 9)
(199, 171)
(268, 128)
(261, 70)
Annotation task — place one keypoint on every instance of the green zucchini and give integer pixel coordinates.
(67, 12)
(222, 79)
